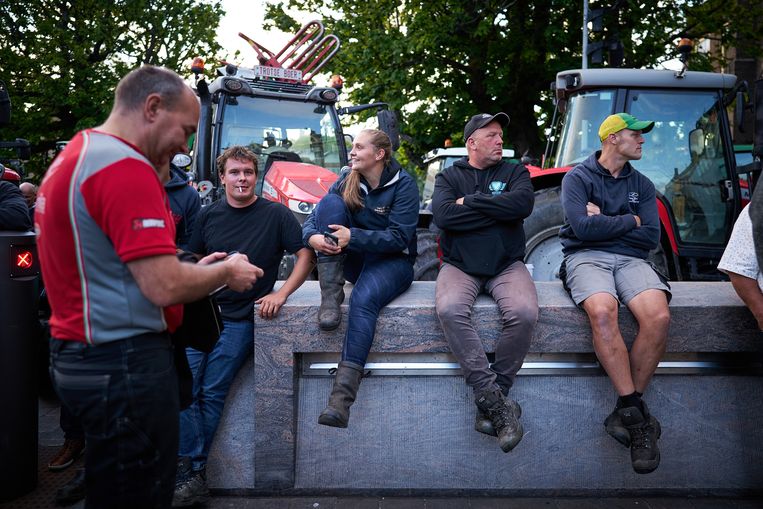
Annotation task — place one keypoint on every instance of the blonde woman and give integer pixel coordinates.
(364, 230)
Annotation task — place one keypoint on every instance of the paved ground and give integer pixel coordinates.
(51, 438)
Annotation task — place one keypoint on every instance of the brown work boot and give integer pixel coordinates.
(67, 454)
(483, 424)
(505, 422)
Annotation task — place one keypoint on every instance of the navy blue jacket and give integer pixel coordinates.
(387, 222)
(185, 204)
(614, 230)
(486, 234)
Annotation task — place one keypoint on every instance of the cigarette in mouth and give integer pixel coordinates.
(240, 190)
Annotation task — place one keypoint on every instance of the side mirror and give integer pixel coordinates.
(348, 139)
(696, 142)
(388, 123)
(739, 111)
(5, 105)
(757, 147)
(24, 149)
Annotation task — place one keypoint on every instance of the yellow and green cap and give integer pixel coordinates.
(619, 121)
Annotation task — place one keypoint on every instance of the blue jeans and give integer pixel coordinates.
(213, 374)
(378, 279)
(125, 394)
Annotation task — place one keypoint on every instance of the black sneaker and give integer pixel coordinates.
(644, 432)
(505, 423)
(483, 424)
(191, 491)
(615, 428)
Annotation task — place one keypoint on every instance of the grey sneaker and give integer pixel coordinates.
(191, 490)
(483, 424)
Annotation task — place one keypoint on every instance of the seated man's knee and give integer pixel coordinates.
(602, 311)
(525, 315)
(450, 310)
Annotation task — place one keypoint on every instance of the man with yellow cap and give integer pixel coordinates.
(611, 224)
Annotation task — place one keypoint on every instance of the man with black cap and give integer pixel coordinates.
(611, 224)
(480, 203)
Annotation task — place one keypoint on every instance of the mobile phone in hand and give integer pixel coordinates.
(330, 238)
(220, 289)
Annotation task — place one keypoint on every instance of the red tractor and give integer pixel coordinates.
(688, 156)
(292, 125)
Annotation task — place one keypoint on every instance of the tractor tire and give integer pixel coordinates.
(427, 263)
(543, 251)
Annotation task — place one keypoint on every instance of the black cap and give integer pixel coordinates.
(483, 119)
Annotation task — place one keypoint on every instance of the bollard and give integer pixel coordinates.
(19, 295)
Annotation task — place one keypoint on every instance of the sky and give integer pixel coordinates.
(247, 16)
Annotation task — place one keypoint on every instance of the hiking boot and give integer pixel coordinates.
(192, 490)
(615, 428)
(72, 491)
(644, 432)
(343, 393)
(483, 424)
(505, 423)
(331, 280)
(67, 454)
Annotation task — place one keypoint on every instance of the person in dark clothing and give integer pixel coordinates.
(262, 230)
(185, 204)
(364, 230)
(611, 224)
(480, 204)
(14, 214)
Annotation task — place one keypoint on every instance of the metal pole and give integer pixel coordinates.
(585, 34)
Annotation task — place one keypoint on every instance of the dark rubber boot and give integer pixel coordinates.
(331, 279)
(483, 424)
(346, 383)
(505, 422)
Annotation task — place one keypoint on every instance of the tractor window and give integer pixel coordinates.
(684, 157)
(280, 130)
(580, 131)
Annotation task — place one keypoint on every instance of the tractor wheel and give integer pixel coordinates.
(542, 247)
(286, 267)
(427, 263)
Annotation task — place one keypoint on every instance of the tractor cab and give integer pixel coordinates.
(291, 125)
(688, 155)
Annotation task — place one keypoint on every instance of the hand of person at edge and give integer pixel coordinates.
(270, 304)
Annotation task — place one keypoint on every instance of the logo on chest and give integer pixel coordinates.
(497, 187)
(633, 197)
(382, 211)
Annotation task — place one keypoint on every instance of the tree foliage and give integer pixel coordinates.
(61, 59)
(439, 62)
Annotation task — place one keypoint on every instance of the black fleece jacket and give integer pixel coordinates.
(485, 234)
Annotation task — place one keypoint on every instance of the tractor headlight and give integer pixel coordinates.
(302, 207)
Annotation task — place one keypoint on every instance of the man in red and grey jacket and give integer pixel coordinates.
(114, 282)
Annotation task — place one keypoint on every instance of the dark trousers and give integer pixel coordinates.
(126, 397)
(514, 293)
(70, 425)
(378, 279)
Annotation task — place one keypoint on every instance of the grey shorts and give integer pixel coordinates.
(590, 271)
